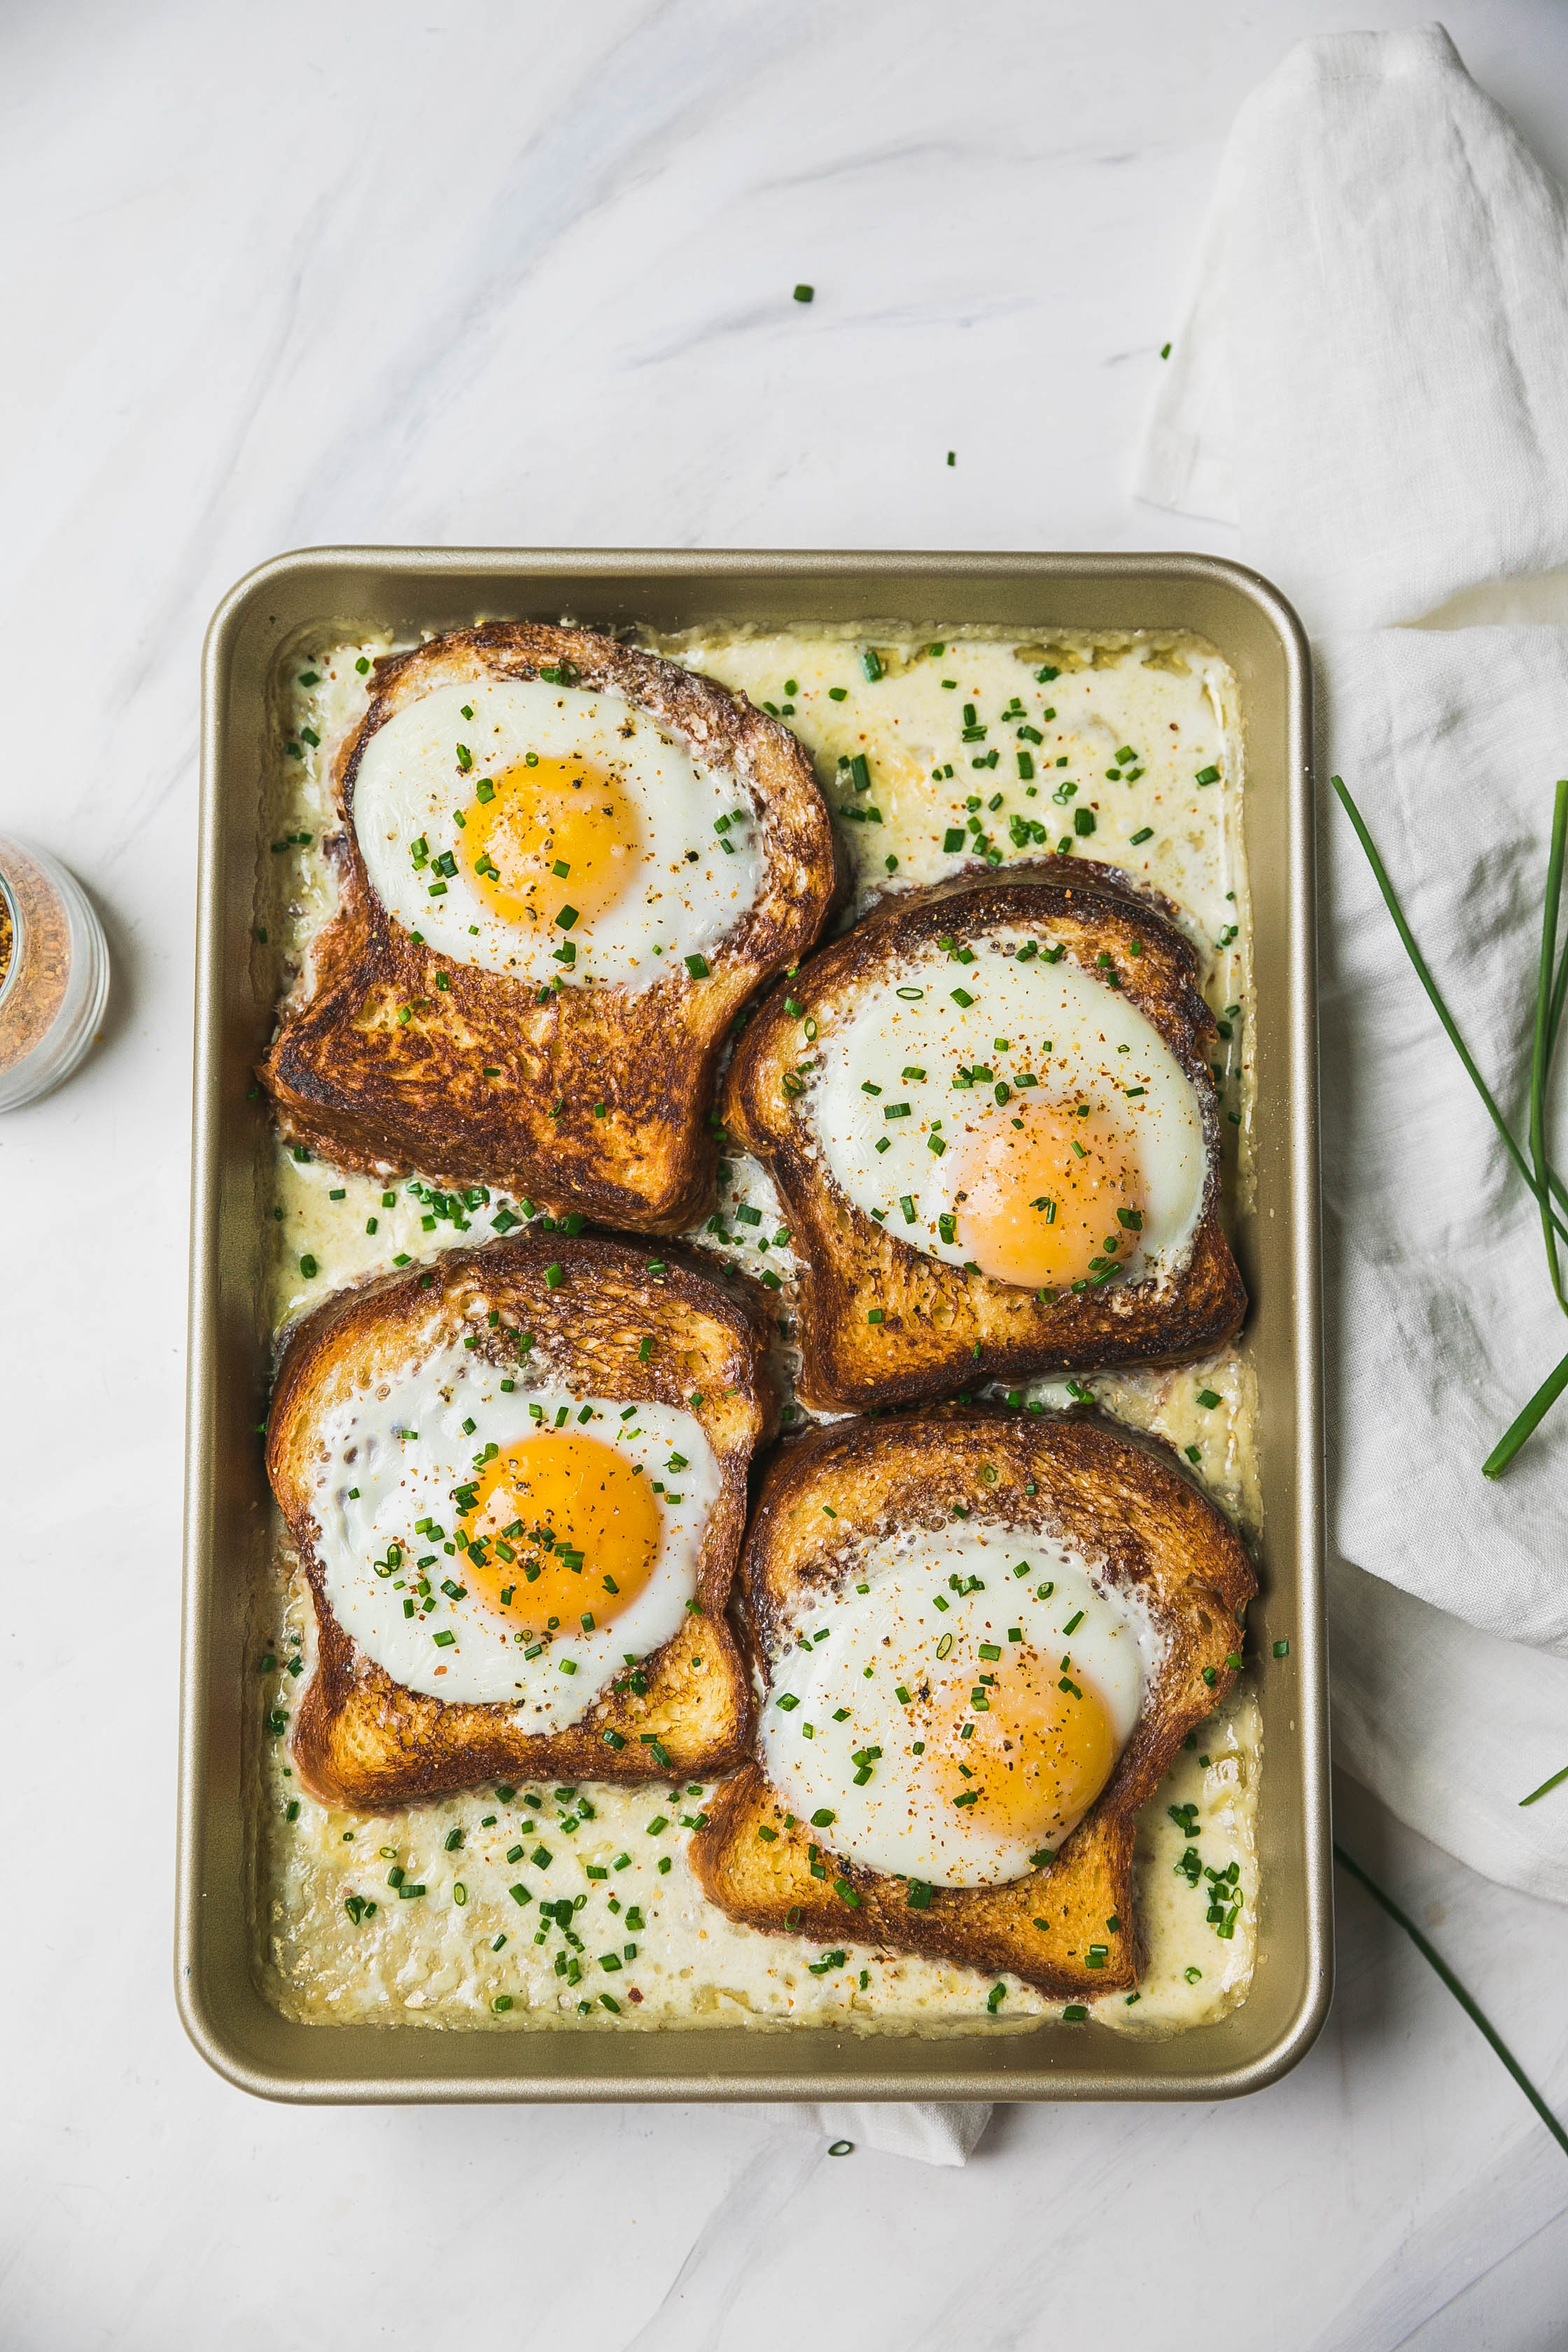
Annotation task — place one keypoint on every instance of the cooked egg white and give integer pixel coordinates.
(1014, 1115)
(530, 828)
(953, 1711)
(485, 1545)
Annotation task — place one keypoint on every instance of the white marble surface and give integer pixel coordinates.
(510, 273)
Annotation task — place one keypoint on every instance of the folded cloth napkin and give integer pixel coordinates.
(1370, 378)
(1451, 1727)
(943, 2134)
(1374, 375)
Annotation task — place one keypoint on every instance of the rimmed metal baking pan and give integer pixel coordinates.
(227, 1519)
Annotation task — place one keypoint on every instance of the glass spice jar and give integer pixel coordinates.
(54, 973)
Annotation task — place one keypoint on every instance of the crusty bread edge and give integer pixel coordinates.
(850, 1263)
(421, 1746)
(990, 1927)
(659, 1183)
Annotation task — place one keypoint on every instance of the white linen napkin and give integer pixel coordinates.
(942, 2134)
(1452, 1727)
(1371, 377)
(1375, 373)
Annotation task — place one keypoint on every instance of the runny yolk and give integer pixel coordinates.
(560, 833)
(601, 1520)
(1036, 1756)
(1037, 1200)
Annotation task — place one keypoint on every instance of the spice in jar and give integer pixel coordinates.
(54, 973)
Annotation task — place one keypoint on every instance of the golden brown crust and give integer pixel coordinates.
(941, 1326)
(363, 1740)
(1124, 1507)
(376, 1093)
(1037, 1928)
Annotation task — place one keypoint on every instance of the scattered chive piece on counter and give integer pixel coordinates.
(805, 293)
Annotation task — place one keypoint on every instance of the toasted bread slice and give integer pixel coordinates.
(1118, 1502)
(594, 1098)
(593, 1308)
(884, 1323)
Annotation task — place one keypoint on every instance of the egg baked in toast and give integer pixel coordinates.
(565, 865)
(983, 1641)
(989, 1116)
(516, 1483)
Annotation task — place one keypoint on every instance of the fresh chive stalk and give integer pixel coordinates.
(1541, 1047)
(1471, 2007)
(1541, 1181)
(1535, 1412)
(1434, 993)
(1557, 996)
(1546, 1787)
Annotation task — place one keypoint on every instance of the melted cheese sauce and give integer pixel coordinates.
(336, 1939)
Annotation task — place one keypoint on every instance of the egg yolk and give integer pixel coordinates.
(1038, 1191)
(558, 832)
(581, 1525)
(1009, 1751)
